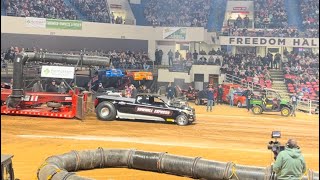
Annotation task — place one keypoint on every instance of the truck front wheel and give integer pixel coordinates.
(106, 111)
(182, 120)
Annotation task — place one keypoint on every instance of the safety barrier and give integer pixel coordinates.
(61, 166)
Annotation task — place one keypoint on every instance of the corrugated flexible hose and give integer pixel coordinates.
(61, 167)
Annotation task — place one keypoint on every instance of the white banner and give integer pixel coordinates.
(269, 41)
(36, 22)
(174, 33)
(57, 72)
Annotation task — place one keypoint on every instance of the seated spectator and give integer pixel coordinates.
(178, 12)
(94, 10)
(54, 9)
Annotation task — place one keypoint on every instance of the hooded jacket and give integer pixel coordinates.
(290, 164)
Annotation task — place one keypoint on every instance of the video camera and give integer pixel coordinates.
(275, 146)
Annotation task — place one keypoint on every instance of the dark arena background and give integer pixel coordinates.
(118, 89)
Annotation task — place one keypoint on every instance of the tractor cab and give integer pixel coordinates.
(6, 167)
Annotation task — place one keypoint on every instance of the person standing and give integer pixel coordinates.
(156, 55)
(160, 56)
(177, 55)
(210, 95)
(220, 94)
(52, 87)
(100, 88)
(134, 91)
(62, 88)
(294, 102)
(290, 163)
(248, 98)
(37, 87)
(170, 56)
(170, 92)
(128, 92)
(231, 96)
(195, 56)
(276, 62)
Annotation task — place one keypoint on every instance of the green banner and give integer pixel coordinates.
(63, 24)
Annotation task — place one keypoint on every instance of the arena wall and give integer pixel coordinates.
(63, 43)
(17, 25)
(165, 76)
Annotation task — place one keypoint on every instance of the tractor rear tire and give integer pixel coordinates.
(285, 111)
(106, 111)
(257, 110)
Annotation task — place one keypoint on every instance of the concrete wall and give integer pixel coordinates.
(165, 76)
(62, 43)
(17, 25)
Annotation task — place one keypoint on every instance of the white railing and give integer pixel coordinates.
(305, 105)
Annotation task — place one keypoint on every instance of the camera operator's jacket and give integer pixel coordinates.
(289, 164)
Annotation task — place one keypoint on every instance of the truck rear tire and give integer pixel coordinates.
(182, 120)
(106, 111)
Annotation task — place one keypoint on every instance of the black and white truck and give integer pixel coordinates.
(143, 107)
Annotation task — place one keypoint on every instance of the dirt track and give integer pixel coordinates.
(227, 134)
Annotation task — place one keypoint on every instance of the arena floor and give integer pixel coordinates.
(226, 134)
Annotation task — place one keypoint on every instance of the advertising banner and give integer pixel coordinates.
(63, 24)
(35, 22)
(64, 72)
(175, 33)
(269, 41)
(240, 7)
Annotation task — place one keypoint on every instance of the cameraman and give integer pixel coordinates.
(290, 163)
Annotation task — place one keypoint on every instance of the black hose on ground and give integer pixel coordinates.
(59, 167)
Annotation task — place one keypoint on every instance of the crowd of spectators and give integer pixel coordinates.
(95, 10)
(130, 60)
(54, 9)
(270, 14)
(251, 68)
(184, 13)
(302, 74)
(271, 21)
(310, 13)
(278, 32)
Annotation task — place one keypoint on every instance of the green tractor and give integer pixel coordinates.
(271, 102)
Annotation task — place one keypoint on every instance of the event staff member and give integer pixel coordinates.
(248, 98)
(220, 94)
(290, 163)
(210, 94)
(294, 102)
(170, 92)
